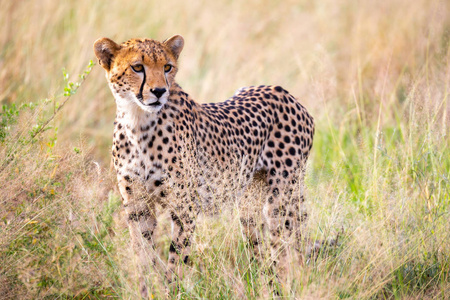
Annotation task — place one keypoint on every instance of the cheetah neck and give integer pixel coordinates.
(132, 119)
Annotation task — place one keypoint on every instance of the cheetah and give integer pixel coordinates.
(263, 129)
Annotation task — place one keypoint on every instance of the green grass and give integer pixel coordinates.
(375, 76)
(386, 188)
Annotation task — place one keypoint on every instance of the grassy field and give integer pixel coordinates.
(374, 74)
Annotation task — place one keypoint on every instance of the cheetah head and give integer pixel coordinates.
(140, 72)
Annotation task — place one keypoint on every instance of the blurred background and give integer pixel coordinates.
(375, 75)
(342, 59)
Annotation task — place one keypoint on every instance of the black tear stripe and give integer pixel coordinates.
(139, 96)
(167, 82)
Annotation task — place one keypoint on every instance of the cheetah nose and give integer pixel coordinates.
(158, 92)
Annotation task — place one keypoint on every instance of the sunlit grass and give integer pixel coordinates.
(375, 76)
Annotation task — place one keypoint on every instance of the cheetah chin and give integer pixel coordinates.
(153, 107)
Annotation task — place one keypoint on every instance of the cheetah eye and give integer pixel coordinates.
(167, 68)
(138, 68)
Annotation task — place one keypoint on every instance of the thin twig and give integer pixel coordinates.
(60, 107)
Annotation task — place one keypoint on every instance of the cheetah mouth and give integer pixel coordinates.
(157, 103)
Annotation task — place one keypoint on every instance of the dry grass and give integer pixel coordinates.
(375, 76)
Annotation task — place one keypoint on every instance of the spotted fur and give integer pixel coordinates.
(261, 129)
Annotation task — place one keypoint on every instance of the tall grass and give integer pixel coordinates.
(375, 76)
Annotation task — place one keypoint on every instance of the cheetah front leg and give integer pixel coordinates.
(142, 223)
(141, 219)
(183, 219)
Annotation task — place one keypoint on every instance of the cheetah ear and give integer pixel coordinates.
(105, 50)
(175, 44)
